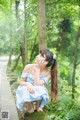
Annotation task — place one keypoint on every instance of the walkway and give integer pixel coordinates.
(7, 103)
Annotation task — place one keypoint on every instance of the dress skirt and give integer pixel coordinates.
(23, 95)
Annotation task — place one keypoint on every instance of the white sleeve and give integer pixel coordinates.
(46, 79)
(24, 74)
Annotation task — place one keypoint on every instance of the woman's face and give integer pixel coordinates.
(40, 58)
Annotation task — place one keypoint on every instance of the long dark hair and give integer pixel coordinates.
(50, 57)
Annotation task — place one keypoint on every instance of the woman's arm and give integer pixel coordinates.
(23, 79)
(24, 82)
(44, 81)
(37, 80)
(27, 84)
(40, 82)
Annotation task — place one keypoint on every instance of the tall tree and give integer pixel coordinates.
(75, 62)
(9, 61)
(22, 46)
(24, 42)
(42, 24)
(25, 32)
(17, 3)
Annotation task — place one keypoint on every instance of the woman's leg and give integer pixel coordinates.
(38, 106)
(30, 107)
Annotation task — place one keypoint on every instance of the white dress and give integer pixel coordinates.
(23, 95)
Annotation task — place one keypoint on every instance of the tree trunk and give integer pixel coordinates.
(34, 50)
(16, 63)
(25, 33)
(22, 50)
(42, 24)
(22, 40)
(75, 63)
(10, 55)
(63, 40)
(17, 2)
(9, 61)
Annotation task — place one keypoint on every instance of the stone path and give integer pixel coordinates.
(7, 103)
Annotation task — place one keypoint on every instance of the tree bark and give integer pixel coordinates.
(23, 41)
(75, 63)
(22, 50)
(34, 50)
(16, 63)
(42, 24)
(9, 61)
(25, 33)
(17, 2)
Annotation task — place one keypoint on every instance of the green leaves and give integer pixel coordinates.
(4, 5)
(63, 1)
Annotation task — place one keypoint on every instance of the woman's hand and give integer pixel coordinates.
(41, 62)
(30, 88)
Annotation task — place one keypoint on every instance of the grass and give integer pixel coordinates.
(35, 116)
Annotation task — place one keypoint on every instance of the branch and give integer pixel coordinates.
(51, 3)
(77, 63)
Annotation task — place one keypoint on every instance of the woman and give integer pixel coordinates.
(34, 79)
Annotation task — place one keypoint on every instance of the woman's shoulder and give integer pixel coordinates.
(28, 67)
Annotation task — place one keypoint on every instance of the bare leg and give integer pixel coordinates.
(38, 106)
(30, 107)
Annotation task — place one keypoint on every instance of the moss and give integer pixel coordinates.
(35, 116)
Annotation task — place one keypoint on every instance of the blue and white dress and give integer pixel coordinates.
(23, 95)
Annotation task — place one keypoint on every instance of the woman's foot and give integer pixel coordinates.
(24, 110)
(39, 109)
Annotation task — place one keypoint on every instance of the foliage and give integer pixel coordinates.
(4, 4)
(62, 1)
(64, 109)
